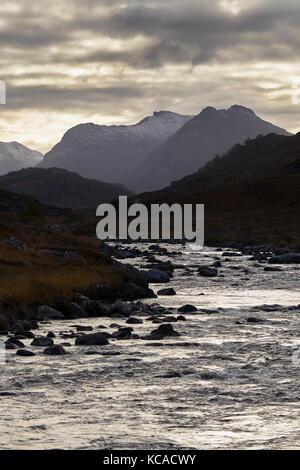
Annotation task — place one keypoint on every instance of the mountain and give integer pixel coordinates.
(61, 188)
(110, 153)
(15, 156)
(251, 194)
(198, 141)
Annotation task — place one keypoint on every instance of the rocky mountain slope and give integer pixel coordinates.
(251, 194)
(61, 188)
(15, 156)
(198, 141)
(110, 153)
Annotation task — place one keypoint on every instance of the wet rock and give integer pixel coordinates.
(25, 334)
(231, 253)
(9, 345)
(217, 264)
(51, 334)
(56, 350)
(170, 375)
(288, 258)
(122, 307)
(25, 352)
(115, 325)
(207, 271)
(181, 318)
(16, 341)
(166, 329)
(158, 276)
(168, 291)
(134, 321)
(74, 310)
(42, 341)
(187, 308)
(122, 333)
(93, 339)
(255, 320)
(33, 325)
(84, 328)
(272, 269)
(169, 319)
(48, 313)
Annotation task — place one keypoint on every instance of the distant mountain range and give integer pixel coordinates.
(15, 156)
(157, 150)
(251, 194)
(61, 188)
(111, 153)
(198, 141)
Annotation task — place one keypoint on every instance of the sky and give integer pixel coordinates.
(66, 62)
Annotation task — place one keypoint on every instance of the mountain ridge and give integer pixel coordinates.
(210, 132)
(109, 153)
(61, 188)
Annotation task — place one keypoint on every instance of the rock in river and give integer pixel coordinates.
(187, 308)
(56, 350)
(156, 275)
(207, 271)
(168, 291)
(48, 313)
(93, 339)
(25, 353)
(42, 341)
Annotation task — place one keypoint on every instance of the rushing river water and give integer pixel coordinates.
(220, 385)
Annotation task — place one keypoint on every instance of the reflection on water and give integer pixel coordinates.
(221, 384)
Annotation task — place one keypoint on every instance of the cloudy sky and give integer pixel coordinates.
(65, 62)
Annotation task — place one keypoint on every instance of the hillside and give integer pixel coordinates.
(43, 259)
(62, 188)
(197, 142)
(251, 194)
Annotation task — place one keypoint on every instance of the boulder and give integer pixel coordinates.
(187, 308)
(74, 310)
(48, 313)
(288, 258)
(169, 319)
(134, 320)
(207, 271)
(16, 341)
(56, 350)
(122, 333)
(93, 339)
(124, 308)
(9, 345)
(84, 328)
(272, 269)
(25, 353)
(42, 341)
(51, 334)
(158, 276)
(25, 334)
(168, 291)
(166, 329)
(255, 320)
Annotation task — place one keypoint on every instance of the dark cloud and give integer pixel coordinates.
(53, 98)
(127, 57)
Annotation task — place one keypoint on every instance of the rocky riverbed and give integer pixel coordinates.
(211, 363)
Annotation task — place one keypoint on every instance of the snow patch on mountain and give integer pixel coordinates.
(15, 156)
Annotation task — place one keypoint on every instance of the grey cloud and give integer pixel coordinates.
(53, 98)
